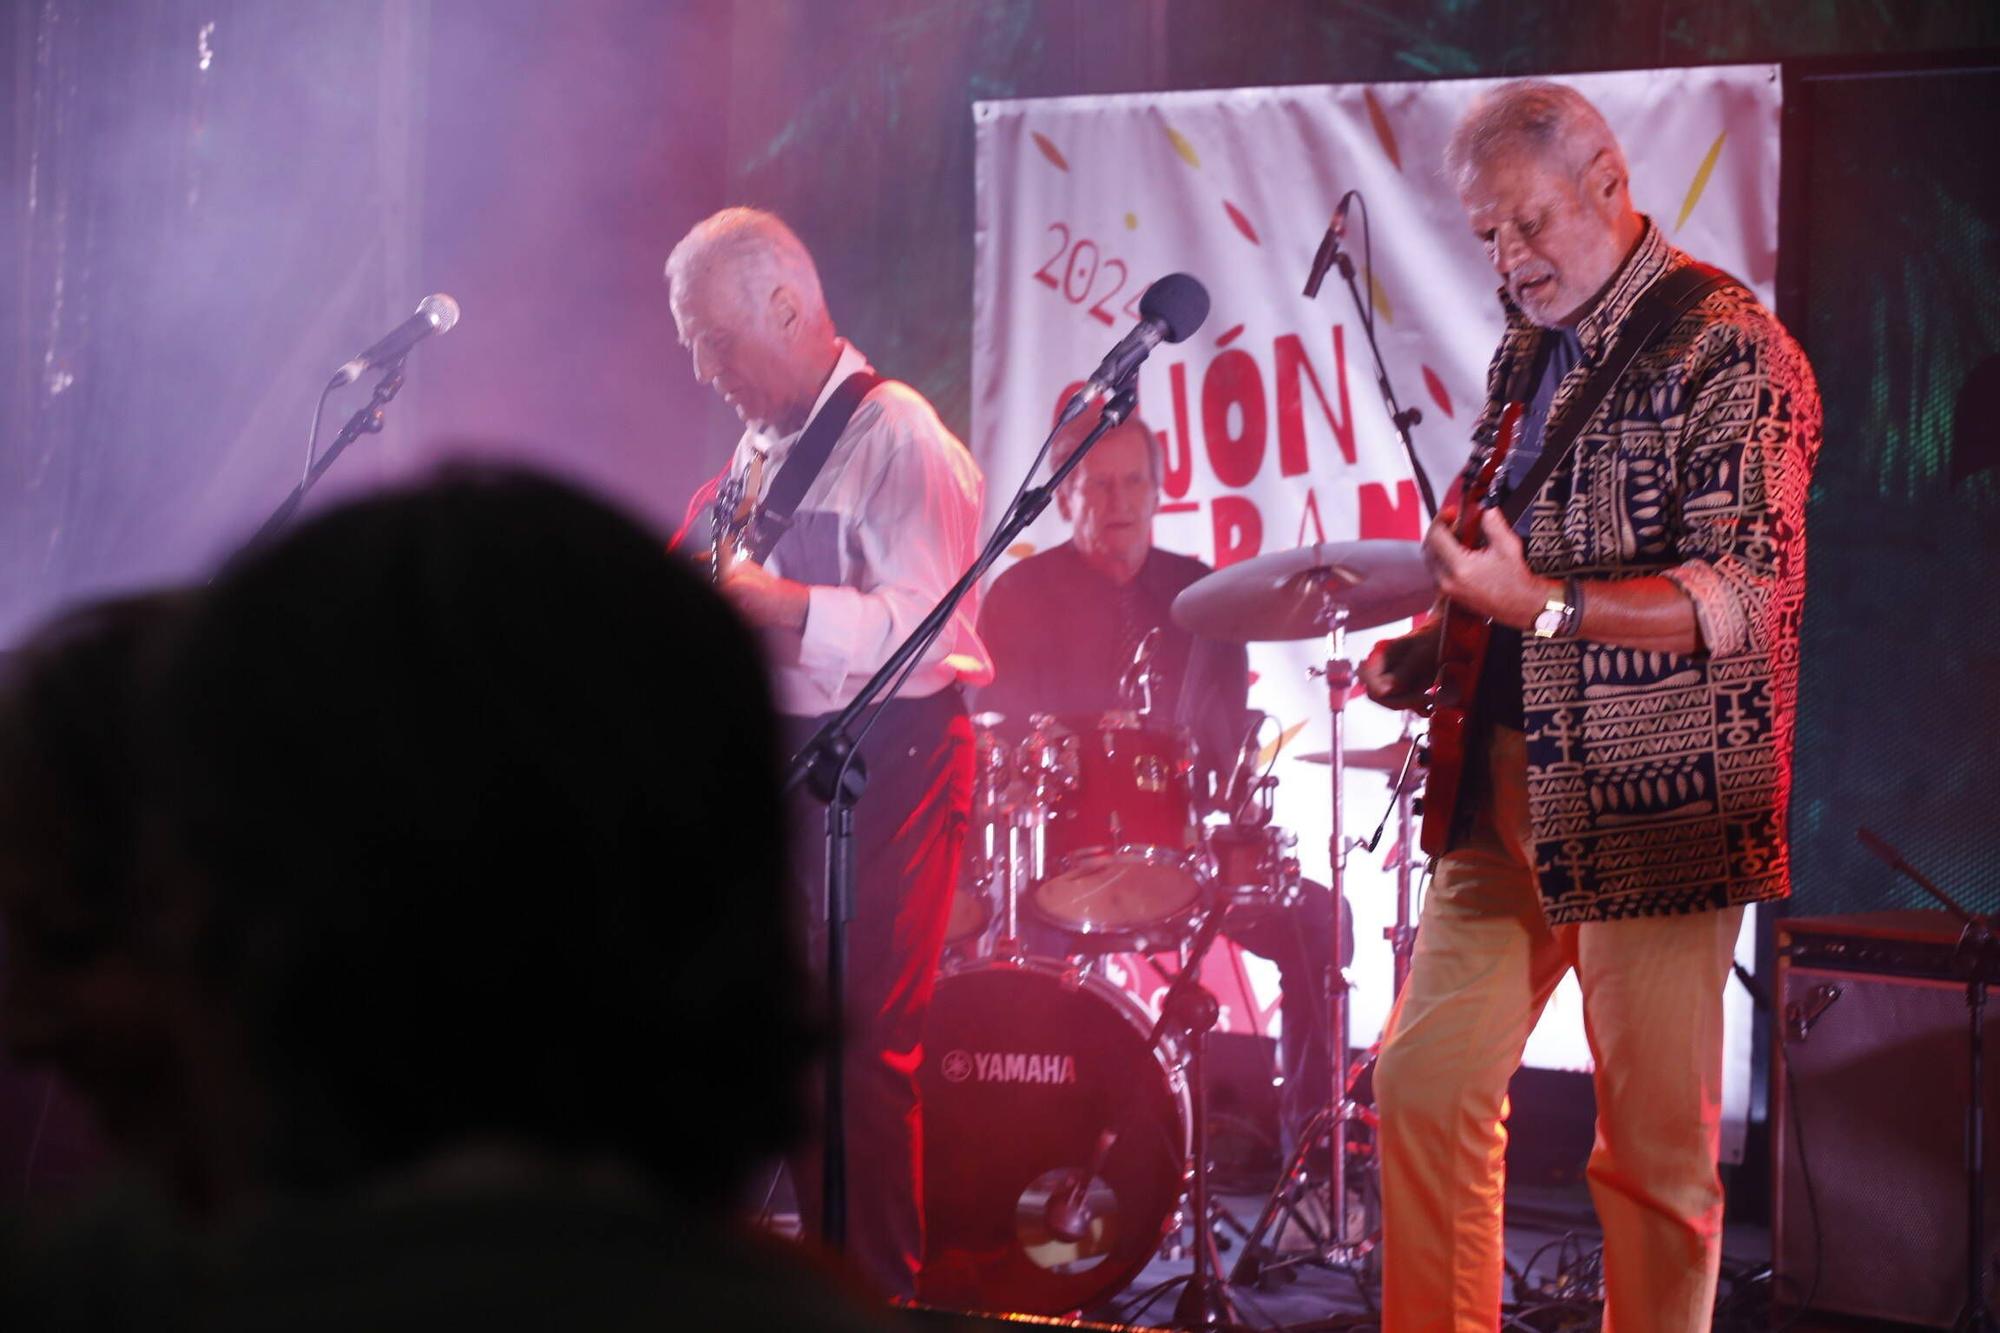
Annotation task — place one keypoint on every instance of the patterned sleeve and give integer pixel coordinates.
(1744, 459)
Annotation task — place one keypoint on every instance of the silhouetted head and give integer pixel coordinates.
(470, 796)
(82, 987)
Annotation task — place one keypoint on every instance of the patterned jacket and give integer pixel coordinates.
(1658, 783)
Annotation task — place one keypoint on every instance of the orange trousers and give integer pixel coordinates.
(1486, 962)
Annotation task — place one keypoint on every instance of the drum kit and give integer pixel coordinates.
(1065, 1123)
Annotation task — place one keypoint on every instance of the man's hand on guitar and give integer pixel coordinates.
(1491, 580)
(1397, 672)
(764, 599)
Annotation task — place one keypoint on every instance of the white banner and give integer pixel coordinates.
(1274, 432)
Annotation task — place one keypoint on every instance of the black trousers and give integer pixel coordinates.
(909, 829)
(1300, 940)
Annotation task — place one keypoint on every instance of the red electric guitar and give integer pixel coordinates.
(1462, 638)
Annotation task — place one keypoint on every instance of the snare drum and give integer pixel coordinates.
(1033, 1075)
(1120, 864)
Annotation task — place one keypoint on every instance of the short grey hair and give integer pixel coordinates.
(753, 246)
(1549, 121)
(1072, 436)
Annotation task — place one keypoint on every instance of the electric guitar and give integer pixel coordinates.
(1462, 639)
(730, 516)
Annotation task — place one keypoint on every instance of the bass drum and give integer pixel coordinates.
(1055, 1140)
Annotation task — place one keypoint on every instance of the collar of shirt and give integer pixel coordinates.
(1648, 260)
(1093, 585)
(776, 448)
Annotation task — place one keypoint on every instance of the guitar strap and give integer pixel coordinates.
(804, 463)
(1653, 314)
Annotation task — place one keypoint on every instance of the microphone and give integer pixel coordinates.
(435, 314)
(1171, 310)
(1142, 676)
(1242, 784)
(1329, 245)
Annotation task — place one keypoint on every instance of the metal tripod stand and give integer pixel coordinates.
(1347, 1238)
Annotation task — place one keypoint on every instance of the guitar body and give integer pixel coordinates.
(1462, 640)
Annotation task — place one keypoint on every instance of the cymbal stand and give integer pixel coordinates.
(1339, 678)
(1339, 1245)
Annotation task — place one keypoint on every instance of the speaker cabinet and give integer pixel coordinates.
(1870, 1080)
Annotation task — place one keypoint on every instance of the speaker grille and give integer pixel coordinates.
(1880, 1084)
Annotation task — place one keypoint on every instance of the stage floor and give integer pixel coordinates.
(1548, 1227)
(1539, 1218)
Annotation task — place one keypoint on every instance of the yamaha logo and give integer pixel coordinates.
(960, 1066)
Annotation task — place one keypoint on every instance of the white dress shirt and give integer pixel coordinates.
(886, 527)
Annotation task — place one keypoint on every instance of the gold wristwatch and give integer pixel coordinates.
(1558, 616)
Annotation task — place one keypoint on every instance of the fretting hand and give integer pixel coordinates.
(1492, 580)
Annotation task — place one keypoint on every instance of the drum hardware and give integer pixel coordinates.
(1143, 678)
(1403, 804)
(1036, 1222)
(1323, 590)
(1287, 595)
(1338, 673)
(1188, 1010)
(1056, 1138)
(988, 871)
(1389, 758)
(1118, 863)
(1254, 865)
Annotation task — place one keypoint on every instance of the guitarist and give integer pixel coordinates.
(869, 511)
(1625, 788)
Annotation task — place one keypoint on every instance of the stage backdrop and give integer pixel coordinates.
(1273, 430)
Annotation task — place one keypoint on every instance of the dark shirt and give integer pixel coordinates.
(1499, 697)
(1062, 634)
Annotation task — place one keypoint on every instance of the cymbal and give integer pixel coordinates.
(1382, 759)
(1290, 594)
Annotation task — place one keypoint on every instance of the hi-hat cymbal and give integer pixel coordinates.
(1382, 759)
(1292, 594)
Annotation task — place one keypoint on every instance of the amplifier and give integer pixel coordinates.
(1869, 1079)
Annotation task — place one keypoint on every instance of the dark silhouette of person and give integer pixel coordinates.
(82, 994)
(462, 813)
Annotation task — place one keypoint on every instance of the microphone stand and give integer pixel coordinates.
(1400, 417)
(367, 420)
(1402, 936)
(830, 765)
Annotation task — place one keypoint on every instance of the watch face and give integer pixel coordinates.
(1548, 622)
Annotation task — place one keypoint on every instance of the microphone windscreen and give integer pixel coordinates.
(1178, 301)
(440, 310)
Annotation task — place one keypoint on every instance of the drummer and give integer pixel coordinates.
(1064, 628)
